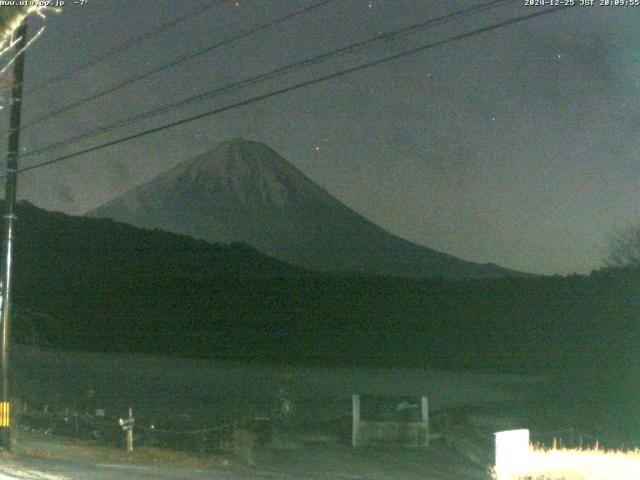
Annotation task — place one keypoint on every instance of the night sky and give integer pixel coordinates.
(518, 146)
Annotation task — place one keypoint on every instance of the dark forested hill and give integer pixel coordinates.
(98, 285)
(89, 250)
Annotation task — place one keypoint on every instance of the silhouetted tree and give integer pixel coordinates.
(624, 249)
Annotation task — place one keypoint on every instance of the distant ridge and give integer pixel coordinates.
(101, 250)
(243, 191)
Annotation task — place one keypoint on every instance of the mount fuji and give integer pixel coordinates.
(244, 191)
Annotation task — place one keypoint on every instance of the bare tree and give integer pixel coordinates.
(624, 249)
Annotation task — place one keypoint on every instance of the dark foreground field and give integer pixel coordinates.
(213, 419)
(186, 401)
(58, 459)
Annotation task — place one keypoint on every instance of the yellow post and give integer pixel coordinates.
(5, 415)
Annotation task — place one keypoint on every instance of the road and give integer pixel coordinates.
(319, 464)
(46, 469)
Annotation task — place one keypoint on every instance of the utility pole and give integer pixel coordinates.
(10, 205)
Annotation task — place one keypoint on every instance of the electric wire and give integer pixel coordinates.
(180, 60)
(298, 86)
(287, 69)
(126, 45)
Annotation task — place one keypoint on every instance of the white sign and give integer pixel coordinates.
(512, 451)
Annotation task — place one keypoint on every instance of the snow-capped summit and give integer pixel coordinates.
(244, 191)
(249, 170)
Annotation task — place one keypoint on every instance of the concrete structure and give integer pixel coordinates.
(397, 420)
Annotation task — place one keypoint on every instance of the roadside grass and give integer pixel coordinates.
(575, 464)
(64, 448)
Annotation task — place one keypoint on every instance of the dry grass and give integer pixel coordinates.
(575, 464)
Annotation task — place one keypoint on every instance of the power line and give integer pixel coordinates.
(180, 60)
(385, 37)
(125, 46)
(299, 86)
